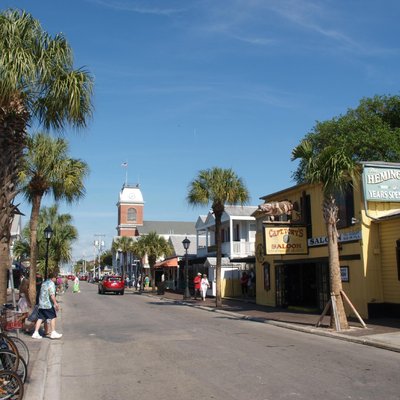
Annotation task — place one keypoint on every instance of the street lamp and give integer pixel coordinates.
(186, 244)
(48, 232)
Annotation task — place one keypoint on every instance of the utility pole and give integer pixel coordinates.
(99, 245)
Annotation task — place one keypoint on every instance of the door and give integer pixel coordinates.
(322, 284)
(280, 284)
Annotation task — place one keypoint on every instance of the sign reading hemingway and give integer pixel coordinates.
(381, 184)
(286, 240)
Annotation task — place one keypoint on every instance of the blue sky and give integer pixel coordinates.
(187, 85)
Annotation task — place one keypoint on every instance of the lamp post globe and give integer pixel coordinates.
(186, 244)
(48, 232)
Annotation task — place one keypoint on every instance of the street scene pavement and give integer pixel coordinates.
(49, 358)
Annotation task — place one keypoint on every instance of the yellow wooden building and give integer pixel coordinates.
(291, 245)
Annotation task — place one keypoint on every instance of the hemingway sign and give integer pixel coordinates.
(286, 240)
(381, 183)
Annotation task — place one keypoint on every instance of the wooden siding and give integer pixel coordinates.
(389, 233)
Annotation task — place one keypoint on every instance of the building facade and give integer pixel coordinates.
(292, 263)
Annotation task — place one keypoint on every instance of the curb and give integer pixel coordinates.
(294, 327)
(35, 389)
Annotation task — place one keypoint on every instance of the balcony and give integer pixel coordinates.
(240, 249)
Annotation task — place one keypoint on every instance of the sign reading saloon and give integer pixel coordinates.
(286, 240)
(381, 183)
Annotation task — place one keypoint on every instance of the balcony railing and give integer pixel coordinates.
(240, 249)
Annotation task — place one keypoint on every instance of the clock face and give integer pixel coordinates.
(260, 253)
(131, 195)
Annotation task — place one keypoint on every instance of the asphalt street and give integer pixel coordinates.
(122, 347)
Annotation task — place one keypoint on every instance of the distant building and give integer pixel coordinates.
(131, 223)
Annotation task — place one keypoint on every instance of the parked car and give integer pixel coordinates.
(71, 277)
(83, 277)
(111, 283)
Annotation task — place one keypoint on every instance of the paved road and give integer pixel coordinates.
(132, 346)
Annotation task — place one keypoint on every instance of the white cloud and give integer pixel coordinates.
(136, 7)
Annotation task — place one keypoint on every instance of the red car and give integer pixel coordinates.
(111, 283)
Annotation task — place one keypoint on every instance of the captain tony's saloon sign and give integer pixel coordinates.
(286, 240)
(382, 182)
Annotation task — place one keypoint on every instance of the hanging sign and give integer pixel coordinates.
(381, 183)
(286, 240)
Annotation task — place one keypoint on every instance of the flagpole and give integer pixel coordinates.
(125, 165)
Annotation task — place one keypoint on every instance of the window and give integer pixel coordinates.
(345, 202)
(237, 233)
(305, 205)
(131, 214)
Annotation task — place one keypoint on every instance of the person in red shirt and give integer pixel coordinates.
(197, 281)
(244, 280)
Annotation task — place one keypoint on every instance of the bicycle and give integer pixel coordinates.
(11, 386)
(12, 343)
(9, 361)
(20, 345)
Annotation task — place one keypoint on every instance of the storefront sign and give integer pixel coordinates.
(381, 183)
(286, 240)
(343, 237)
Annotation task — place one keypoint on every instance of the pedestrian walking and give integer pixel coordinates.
(244, 281)
(146, 282)
(76, 285)
(48, 307)
(197, 285)
(204, 284)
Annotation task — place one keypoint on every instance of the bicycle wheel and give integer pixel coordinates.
(21, 347)
(7, 344)
(11, 386)
(9, 361)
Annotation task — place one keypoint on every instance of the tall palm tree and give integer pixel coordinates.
(47, 169)
(335, 170)
(123, 244)
(64, 234)
(154, 246)
(217, 186)
(38, 83)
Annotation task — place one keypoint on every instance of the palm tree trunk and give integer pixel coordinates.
(218, 242)
(331, 215)
(13, 120)
(4, 262)
(34, 221)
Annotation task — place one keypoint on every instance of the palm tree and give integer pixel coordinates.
(123, 244)
(154, 246)
(64, 233)
(47, 169)
(335, 170)
(37, 84)
(219, 187)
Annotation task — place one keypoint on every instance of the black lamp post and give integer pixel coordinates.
(186, 244)
(48, 232)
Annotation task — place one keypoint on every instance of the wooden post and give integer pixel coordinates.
(343, 294)
(327, 307)
(335, 313)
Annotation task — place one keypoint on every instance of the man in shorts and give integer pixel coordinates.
(47, 307)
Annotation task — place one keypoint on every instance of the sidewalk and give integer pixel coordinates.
(383, 333)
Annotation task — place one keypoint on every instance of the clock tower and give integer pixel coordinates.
(130, 210)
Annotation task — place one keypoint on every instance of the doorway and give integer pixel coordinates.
(304, 286)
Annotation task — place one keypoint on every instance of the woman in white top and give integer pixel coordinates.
(204, 285)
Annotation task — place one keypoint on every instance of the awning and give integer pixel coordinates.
(169, 263)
